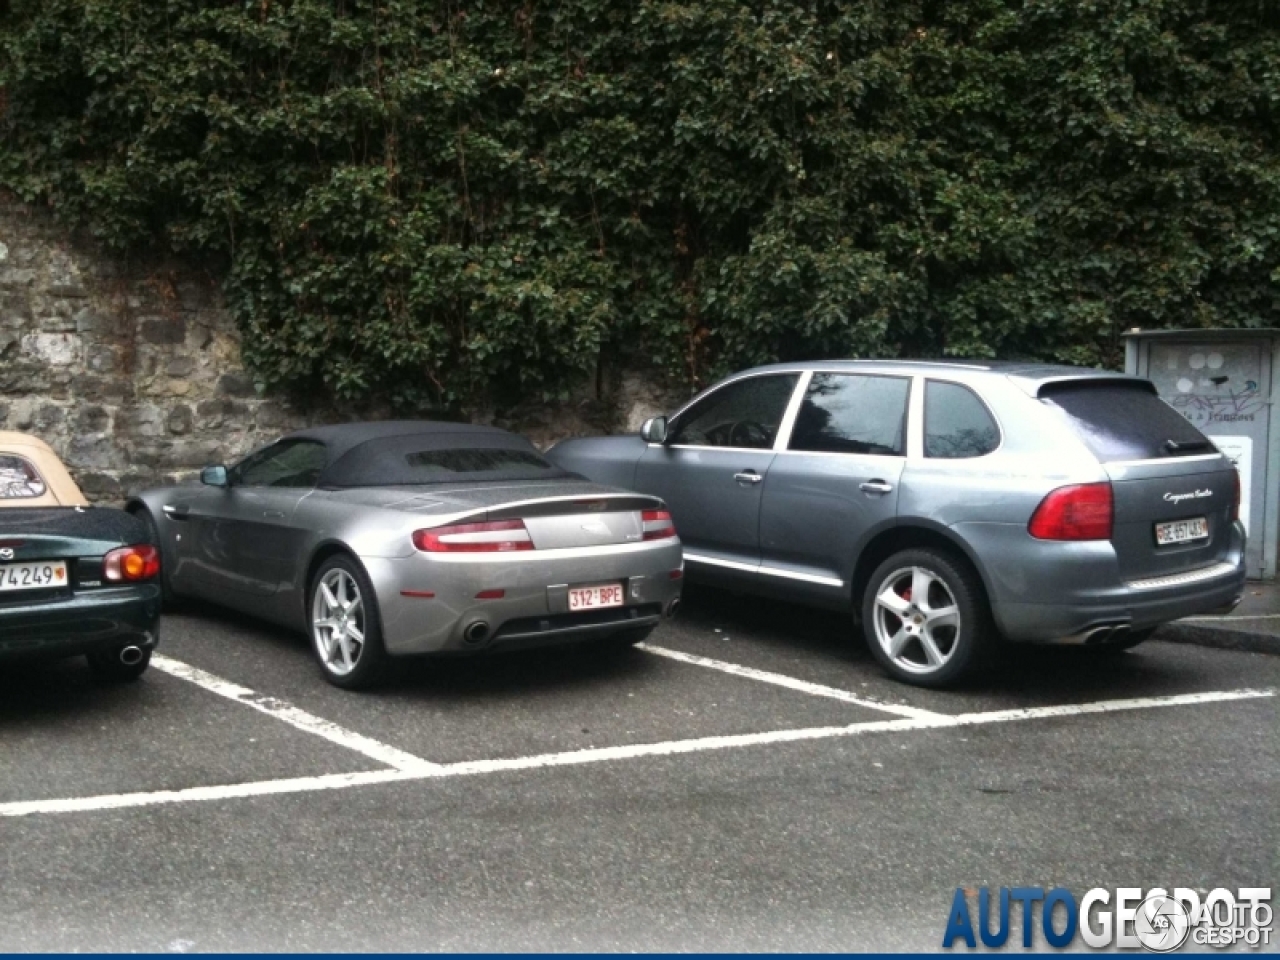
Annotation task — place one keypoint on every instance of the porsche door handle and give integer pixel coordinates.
(273, 514)
(748, 476)
(176, 513)
(875, 486)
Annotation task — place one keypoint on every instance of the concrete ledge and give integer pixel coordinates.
(1220, 635)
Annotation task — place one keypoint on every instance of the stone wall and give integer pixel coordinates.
(132, 374)
(132, 371)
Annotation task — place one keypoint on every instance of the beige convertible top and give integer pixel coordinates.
(31, 475)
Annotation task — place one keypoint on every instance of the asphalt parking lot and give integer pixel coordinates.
(748, 781)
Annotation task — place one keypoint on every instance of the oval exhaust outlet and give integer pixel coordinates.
(476, 633)
(130, 655)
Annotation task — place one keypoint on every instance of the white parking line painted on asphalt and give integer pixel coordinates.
(229, 791)
(1235, 616)
(300, 719)
(791, 683)
(601, 754)
(1111, 706)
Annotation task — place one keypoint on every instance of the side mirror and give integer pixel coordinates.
(214, 476)
(654, 430)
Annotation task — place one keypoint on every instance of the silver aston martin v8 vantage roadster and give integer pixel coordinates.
(392, 539)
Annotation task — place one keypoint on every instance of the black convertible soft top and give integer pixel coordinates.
(404, 452)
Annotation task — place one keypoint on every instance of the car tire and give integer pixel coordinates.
(936, 643)
(169, 600)
(344, 625)
(106, 665)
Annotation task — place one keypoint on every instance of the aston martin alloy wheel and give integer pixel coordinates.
(345, 629)
(925, 617)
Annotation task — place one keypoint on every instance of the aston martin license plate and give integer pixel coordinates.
(595, 598)
(33, 576)
(1182, 531)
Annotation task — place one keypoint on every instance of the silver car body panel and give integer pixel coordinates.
(801, 529)
(255, 549)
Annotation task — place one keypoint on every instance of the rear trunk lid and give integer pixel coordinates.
(559, 514)
(1174, 494)
(33, 538)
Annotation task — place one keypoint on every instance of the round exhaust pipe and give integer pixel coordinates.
(130, 655)
(476, 633)
(673, 607)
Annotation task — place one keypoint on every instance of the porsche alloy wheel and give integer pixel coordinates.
(925, 617)
(917, 621)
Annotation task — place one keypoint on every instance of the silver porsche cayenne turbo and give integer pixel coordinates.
(391, 539)
(947, 506)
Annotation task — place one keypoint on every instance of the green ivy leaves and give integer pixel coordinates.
(439, 204)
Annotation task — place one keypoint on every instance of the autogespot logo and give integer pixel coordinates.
(1128, 918)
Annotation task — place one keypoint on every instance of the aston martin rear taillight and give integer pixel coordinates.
(497, 536)
(657, 524)
(131, 564)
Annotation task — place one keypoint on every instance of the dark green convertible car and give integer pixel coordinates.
(74, 579)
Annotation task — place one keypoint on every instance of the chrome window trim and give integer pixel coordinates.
(915, 419)
(788, 423)
(981, 399)
(762, 569)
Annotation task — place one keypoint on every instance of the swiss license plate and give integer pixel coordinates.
(595, 598)
(1182, 531)
(44, 575)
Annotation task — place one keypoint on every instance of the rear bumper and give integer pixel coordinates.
(1137, 610)
(83, 624)
(533, 609)
(1045, 592)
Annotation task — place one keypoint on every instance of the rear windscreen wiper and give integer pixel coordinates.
(1175, 446)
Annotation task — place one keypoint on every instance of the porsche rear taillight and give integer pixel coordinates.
(1079, 512)
(497, 536)
(131, 564)
(657, 524)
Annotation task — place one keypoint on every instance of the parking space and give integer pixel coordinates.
(65, 736)
(748, 780)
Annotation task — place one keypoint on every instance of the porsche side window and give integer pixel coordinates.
(19, 480)
(294, 464)
(852, 413)
(746, 413)
(956, 423)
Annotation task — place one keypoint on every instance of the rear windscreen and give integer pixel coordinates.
(1124, 421)
(18, 478)
(439, 458)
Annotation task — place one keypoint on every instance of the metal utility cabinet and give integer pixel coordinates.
(1222, 381)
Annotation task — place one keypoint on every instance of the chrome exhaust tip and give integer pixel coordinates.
(476, 633)
(131, 655)
(673, 607)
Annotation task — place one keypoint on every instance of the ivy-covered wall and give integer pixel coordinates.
(447, 204)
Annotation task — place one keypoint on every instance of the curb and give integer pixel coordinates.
(1223, 638)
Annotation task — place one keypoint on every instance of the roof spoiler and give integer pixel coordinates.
(1035, 386)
